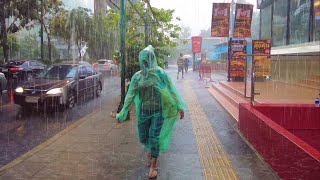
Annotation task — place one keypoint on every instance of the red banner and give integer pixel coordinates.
(196, 44)
(220, 20)
(242, 23)
(238, 58)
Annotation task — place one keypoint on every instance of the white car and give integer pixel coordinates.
(104, 65)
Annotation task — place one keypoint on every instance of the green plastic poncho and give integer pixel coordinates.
(156, 98)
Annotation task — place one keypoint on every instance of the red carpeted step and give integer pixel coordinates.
(311, 82)
(228, 98)
(315, 77)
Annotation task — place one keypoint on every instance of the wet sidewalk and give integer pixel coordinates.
(205, 145)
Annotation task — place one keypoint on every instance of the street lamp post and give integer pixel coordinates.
(122, 49)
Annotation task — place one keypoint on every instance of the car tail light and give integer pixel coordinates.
(15, 69)
(95, 65)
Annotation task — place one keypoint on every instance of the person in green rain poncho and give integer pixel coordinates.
(158, 106)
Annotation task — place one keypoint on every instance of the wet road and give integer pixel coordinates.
(20, 131)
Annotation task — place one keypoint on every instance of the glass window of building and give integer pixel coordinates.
(299, 21)
(266, 22)
(317, 20)
(279, 23)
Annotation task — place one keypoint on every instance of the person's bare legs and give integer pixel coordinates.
(153, 173)
(149, 155)
(182, 72)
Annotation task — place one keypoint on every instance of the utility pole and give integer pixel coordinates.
(122, 50)
(41, 32)
(230, 40)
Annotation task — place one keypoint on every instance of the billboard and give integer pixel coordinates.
(317, 9)
(238, 57)
(196, 44)
(242, 23)
(220, 20)
(261, 55)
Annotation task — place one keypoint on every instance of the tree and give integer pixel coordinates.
(18, 13)
(104, 37)
(29, 48)
(46, 11)
(60, 27)
(13, 45)
(80, 23)
(160, 32)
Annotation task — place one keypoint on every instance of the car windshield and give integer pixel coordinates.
(15, 63)
(104, 61)
(60, 72)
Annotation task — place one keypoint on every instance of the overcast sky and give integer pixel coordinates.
(194, 13)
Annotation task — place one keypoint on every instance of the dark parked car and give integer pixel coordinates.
(59, 86)
(3, 83)
(22, 70)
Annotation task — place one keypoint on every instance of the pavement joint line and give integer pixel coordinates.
(5, 106)
(216, 164)
(48, 142)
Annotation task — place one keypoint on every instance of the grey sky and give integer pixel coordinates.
(194, 13)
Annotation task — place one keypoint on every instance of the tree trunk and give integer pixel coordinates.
(49, 47)
(79, 49)
(4, 36)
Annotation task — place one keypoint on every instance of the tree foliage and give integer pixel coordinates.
(60, 27)
(160, 34)
(104, 35)
(18, 14)
(45, 12)
(80, 23)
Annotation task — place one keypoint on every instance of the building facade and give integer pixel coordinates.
(294, 29)
(289, 22)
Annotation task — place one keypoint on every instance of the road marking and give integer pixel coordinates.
(215, 162)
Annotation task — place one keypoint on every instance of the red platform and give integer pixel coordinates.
(286, 136)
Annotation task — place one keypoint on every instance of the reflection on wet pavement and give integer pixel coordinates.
(23, 129)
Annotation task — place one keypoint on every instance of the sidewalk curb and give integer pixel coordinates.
(46, 143)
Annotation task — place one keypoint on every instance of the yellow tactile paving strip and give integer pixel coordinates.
(215, 162)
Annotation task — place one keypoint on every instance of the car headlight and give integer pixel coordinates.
(19, 90)
(55, 91)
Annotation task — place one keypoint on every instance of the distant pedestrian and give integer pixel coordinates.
(158, 106)
(180, 63)
(186, 64)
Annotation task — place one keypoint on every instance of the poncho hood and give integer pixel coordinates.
(147, 60)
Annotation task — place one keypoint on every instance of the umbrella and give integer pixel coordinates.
(187, 56)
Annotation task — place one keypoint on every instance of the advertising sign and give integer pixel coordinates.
(317, 10)
(220, 20)
(238, 58)
(242, 23)
(261, 55)
(196, 44)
